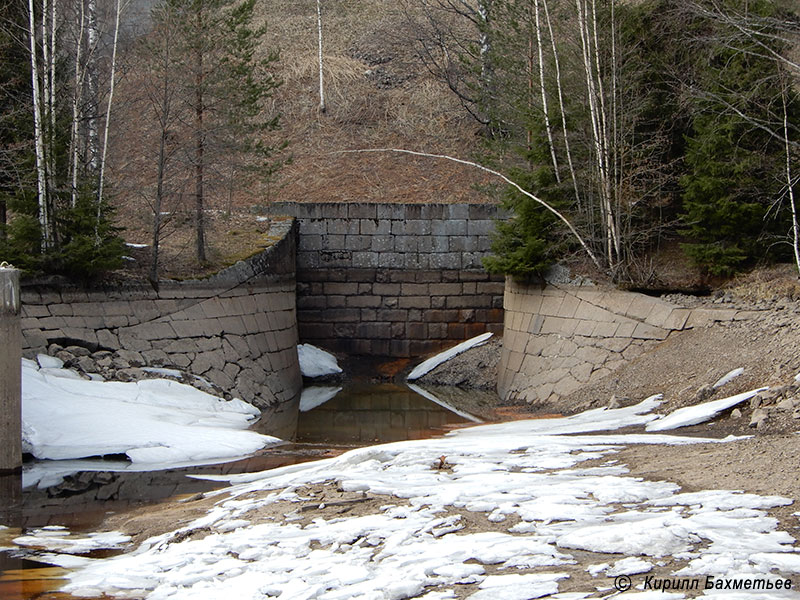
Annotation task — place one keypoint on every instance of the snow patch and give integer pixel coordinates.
(699, 413)
(154, 420)
(315, 362)
(433, 362)
(728, 377)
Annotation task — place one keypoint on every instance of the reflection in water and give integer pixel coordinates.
(11, 500)
(11, 520)
(368, 413)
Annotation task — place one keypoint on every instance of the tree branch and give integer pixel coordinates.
(515, 185)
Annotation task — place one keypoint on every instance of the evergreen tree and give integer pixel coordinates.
(227, 84)
(734, 155)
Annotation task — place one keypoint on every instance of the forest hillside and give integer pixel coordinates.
(644, 140)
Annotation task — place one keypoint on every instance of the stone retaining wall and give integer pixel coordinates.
(559, 337)
(394, 280)
(237, 329)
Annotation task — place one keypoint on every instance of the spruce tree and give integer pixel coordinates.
(734, 157)
(227, 82)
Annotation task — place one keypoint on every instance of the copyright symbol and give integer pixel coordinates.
(622, 583)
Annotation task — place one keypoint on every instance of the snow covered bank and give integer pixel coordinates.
(526, 478)
(151, 421)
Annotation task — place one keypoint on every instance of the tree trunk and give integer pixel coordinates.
(162, 164)
(93, 132)
(789, 179)
(199, 150)
(44, 213)
(487, 71)
(76, 101)
(561, 109)
(106, 127)
(319, 37)
(544, 92)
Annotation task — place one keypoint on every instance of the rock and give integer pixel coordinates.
(736, 413)
(86, 364)
(66, 357)
(755, 401)
(118, 363)
(615, 402)
(759, 416)
(785, 404)
(77, 350)
(105, 363)
(102, 355)
(131, 374)
(704, 392)
(134, 359)
(769, 396)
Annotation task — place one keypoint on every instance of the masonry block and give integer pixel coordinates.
(362, 210)
(445, 260)
(366, 259)
(414, 302)
(375, 227)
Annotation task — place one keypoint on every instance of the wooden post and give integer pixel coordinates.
(10, 372)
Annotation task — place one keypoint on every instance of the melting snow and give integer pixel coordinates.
(152, 421)
(699, 413)
(433, 362)
(418, 546)
(315, 362)
(728, 377)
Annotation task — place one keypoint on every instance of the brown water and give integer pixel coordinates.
(361, 414)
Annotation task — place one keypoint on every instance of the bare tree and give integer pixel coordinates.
(107, 124)
(41, 169)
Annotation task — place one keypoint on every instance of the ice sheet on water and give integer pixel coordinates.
(433, 362)
(154, 420)
(62, 541)
(315, 362)
(47, 473)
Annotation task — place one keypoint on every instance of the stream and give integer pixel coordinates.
(79, 494)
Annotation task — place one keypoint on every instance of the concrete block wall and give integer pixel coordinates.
(396, 280)
(237, 329)
(560, 337)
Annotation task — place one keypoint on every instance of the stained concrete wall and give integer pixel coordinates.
(237, 329)
(559, 337)
(395, 280)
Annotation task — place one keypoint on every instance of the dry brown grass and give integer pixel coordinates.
(377, 95)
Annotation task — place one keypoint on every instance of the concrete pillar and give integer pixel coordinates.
(10, 372)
